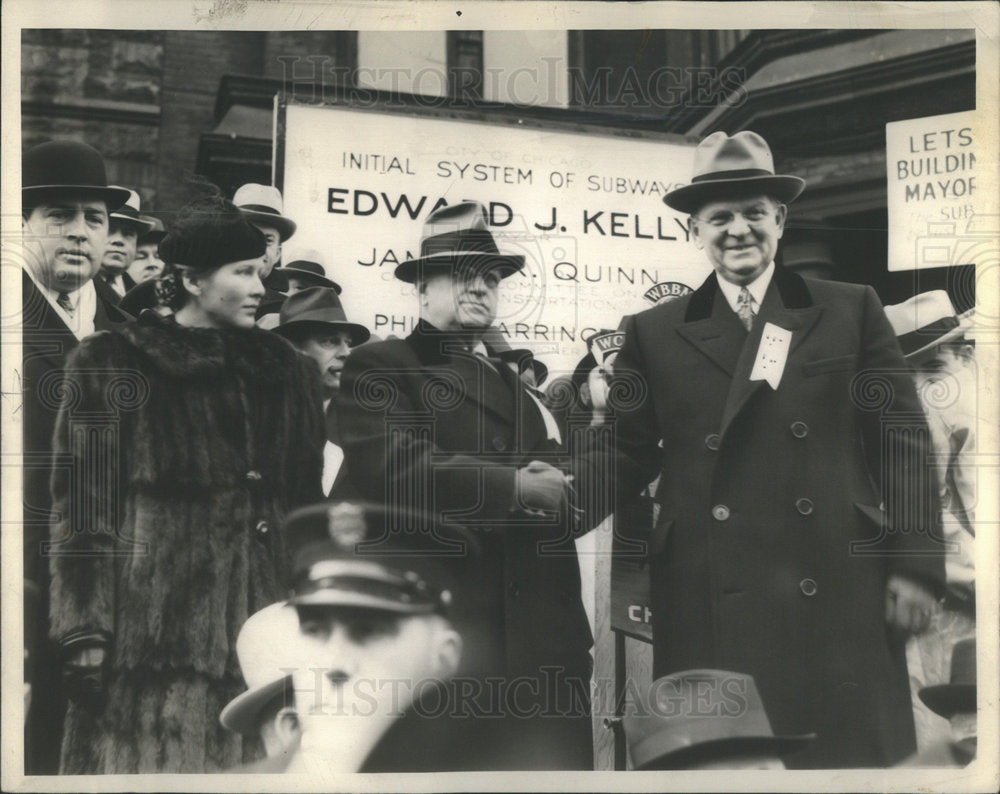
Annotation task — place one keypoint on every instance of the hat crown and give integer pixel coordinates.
(63, 163)
(132, 202)
(268, 645)
(462, 217)
(263, 198)
(305, 259)
(963, 662)
(920, 311)
(313, 300)
(720, 153)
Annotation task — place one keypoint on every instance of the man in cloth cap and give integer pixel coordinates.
(65, 202)
(147, 263)
(125, 225)
(787, 423)
(314, 321)
(385, 673)
(705, 719)
(943, 365)
(435, 422)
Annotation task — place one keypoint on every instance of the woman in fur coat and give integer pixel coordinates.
(181, 442)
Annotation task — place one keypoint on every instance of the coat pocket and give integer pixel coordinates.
(835, 364)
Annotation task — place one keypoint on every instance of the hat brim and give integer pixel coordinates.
(114, 197)
(680, 757)
(286, 226)
(410, 270)
(964, 325)
(314, 279)
(141, 225)
(359, 334)
(152, 237)
(949, 699)
(241, 714)
(688, 199)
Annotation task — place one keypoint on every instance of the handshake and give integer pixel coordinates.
(540, 487)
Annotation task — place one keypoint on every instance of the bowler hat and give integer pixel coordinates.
(318, 305)
(155, 233)
(960, 693)
(926, 321)
(699, 714)
(64, 166)
(364, 555)
(307, 265)
(458, 237)
(730, 166)
(267, 647)
(262, 204)
(129, 213)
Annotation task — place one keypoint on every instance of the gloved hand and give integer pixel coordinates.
(85, 665)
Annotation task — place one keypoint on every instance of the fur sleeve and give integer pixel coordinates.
(85, 484)
(308, 434)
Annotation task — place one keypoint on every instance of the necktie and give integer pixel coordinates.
(64, 303)
(744, 308)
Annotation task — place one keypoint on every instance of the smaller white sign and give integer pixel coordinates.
(772, 354)
(938, 203)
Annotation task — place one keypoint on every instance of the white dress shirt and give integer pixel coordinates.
(83, 301)
(757, 287)
(333, 459)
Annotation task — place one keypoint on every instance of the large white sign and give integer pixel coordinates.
(940, 209)
(585, 210)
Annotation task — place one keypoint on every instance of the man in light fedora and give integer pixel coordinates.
(788, 422)
(125, 225)
(436, 421)
(942, 362)
(314, 321)
(264, 208)
(65, 201)
(705, 719)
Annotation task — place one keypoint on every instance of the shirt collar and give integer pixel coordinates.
(758, 288)
(83, 301)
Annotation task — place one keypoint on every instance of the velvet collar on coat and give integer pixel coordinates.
(437, 347)
(791, 286)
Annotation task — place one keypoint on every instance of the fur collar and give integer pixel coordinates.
(183, 352)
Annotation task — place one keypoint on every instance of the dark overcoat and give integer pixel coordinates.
(426, 425)
(771, 550)
(45, 343)
(181, 449)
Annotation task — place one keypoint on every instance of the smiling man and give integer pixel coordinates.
(757, 401)
(65, 201)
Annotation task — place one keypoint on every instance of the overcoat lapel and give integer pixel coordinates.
(719, 336)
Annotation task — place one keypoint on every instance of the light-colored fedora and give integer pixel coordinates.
(926, 321)
(262, 204)
(129, 212)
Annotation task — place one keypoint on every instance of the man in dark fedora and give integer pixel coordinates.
(705, 719)
(797, 538)
(147, 264)
(65, 202)
(304, 268)
(124, 228)
(313, 320)
(435, 421)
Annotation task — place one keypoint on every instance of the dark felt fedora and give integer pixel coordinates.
(698, 715)
(373, 556)
(458, 237)
(727, 166)
(155, 233)
(309, 266)
(318, 305)
(960, 693)
(129, 213)
(262, 204)
(67, 166)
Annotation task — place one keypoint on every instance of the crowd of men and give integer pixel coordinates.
(801, 573)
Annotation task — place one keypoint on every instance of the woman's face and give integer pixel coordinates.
(229, 296)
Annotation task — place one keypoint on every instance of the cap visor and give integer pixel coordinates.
(350, 598)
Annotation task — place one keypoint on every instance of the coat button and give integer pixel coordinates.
(263, 527)
(808, 587)
(800, 429)
(804, 506)
(712, 441)
(253, 476)
(720, 512)
(513, 589)
(499, 443)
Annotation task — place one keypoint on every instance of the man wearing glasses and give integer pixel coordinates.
(797, 536)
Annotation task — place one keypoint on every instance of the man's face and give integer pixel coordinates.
(65, 240)
(329, 348)
(946, 363)
(740, 237)
(147, 263)
(272, 254)
(121, 247)
(457, 300)
(375, 659)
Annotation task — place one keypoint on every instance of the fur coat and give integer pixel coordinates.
(178, 452)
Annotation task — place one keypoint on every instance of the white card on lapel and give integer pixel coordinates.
(772, 354)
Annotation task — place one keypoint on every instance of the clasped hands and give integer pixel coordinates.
(540, 487)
